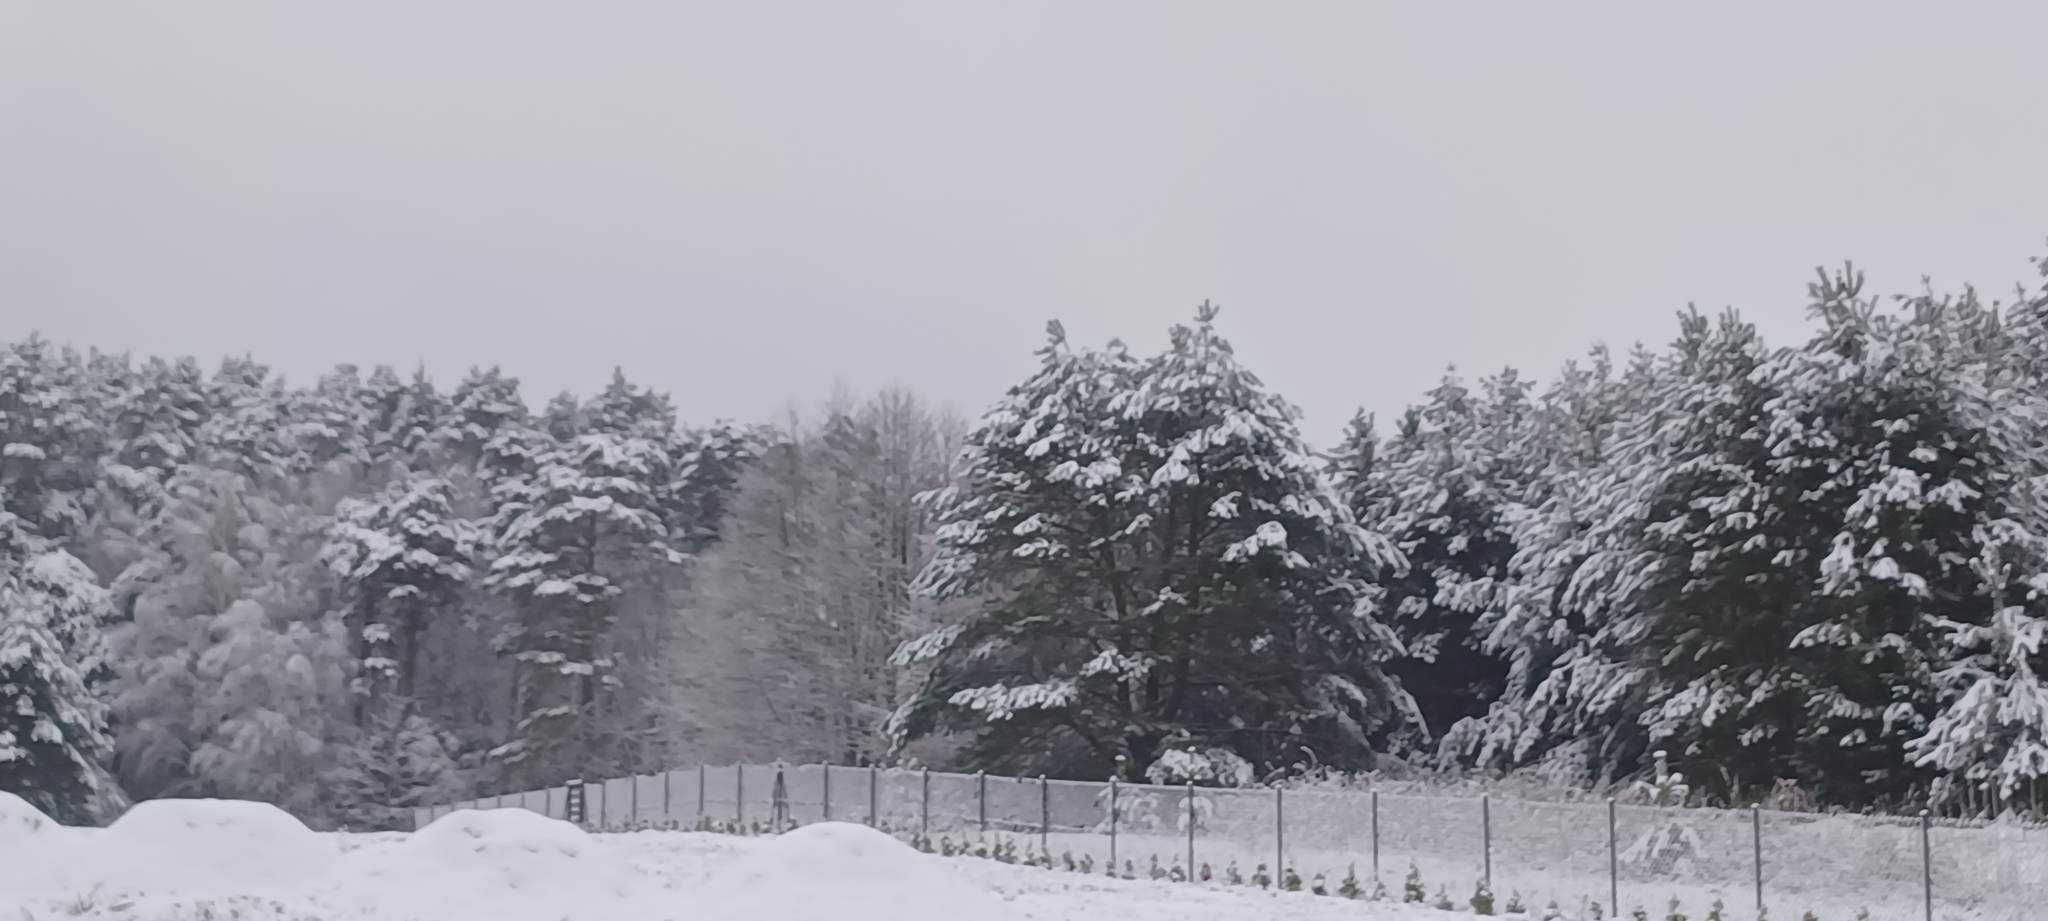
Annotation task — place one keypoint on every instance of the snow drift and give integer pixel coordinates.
(835, 871)
(176, 860)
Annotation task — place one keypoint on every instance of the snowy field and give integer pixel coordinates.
(220, 860)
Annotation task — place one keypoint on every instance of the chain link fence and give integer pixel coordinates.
(1505, 855)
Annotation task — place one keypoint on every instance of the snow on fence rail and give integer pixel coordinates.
(1584, 857)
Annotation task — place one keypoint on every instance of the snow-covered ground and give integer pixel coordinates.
(220, 860)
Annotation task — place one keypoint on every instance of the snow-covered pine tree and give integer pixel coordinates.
(1627, 573)
(563, 539)
(53, 728)
(1165, 560)
(242, 432)
(707, 465)
(1353, 466)
(1568, 455)
(485, 403)
(152, 416)
(329, 423)
(402, 559)
(1880, 477)
(1764, 594)
(1992, 729)
(405, 419)
(73, 605)
(1440, 489)
(49, 443)
(562, 418)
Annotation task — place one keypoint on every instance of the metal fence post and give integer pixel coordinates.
(1375, 834)
(1112, 825)
(634, 801)
(778, 799)
(826, 768)
(604, 804)
(1191, 832)
(1927, 863)
(739, 797)
(1279, 832)
(1613, 865)
(874, 796)
(1756, 833)
(666, 799)
(701, 771)
(1486, 836)
(924, 804)
(981, 799)
(1045, 818)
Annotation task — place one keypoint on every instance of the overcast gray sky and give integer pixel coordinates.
(744, 202)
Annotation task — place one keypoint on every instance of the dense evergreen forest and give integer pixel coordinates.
(1820, 566)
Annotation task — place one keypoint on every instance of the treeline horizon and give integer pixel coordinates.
(1817, 566)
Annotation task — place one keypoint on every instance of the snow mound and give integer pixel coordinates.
(835, 871)
(240, 820)
(20, 821)
(494, 836)
(238, 844)
(506, 864)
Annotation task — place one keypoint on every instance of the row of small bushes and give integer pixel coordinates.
(1004, 849)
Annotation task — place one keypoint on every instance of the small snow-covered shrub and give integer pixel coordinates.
(1349, 887)
(1209, 767)
(1482, 899)
(1412, 890)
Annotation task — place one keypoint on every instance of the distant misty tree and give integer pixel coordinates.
(232, 681)
(793, 614)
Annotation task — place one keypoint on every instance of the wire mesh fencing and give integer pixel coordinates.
(1479, 855)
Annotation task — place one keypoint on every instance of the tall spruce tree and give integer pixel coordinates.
(564, 539)
(1167, 569)
(1441, 489)
(402, 559)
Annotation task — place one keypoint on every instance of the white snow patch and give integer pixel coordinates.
(835, 871)
(194, 859)
(20, 823)
(221, 845)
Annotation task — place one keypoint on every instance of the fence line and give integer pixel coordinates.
(1591, 860)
